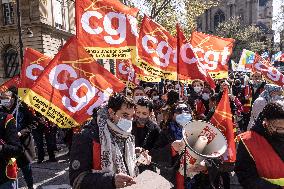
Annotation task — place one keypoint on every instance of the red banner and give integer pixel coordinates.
(188, 66)
(270, 73)
(157, 50)
(13, 82)
(71, 86)
(222, 119)
(33, 65)
(107, 28)
(213, 52)
(126, 72)
(131, 74)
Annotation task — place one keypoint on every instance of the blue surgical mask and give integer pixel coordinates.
(205, 96)
(125, 125)
(183, 118)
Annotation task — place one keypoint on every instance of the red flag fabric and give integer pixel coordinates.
(270, 73)
(33, 65)
(126, 72)
(107, 28)
(188, 65)
(222, 119)
(13, 82)
(156, 50)
(71, 86)
(213, 52)
(132, 74)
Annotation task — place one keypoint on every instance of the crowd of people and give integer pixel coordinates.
(141, 129)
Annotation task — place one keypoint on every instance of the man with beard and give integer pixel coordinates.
(103, 154)
(145, 129)
(260, 153)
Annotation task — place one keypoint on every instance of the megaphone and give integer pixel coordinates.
(202, 141)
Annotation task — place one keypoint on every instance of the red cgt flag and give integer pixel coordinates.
(126, 72)
(213, 52)
(188, 66)
(156, 50)
(107, 28)
(222, 119)
(13, 82)
(71, 86)
(33, 65)
(270, 73)
(131, 74)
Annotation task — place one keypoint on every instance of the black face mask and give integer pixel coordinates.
(141, 121)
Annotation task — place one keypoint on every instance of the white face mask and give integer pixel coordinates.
(125, 125)
(6, 102)
(276, 97)
(183, 118)
(156, 97)
(136, 98)
(197, 89)
(205, 96)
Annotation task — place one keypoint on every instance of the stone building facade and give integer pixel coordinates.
(46, 25)
(257, 12)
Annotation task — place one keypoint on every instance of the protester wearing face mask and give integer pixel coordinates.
(238, 90)
(271, 93)
(195, 99)
(25, 120)
(10, 147)
(138, 93)
(145, 129)
(103, 154)
(260, 154)
(206, 93)
(169, 142)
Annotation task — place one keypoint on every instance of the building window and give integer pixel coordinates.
(58, 14)
(11, 62)
(8, 13)
(61, 14)
(219, 17)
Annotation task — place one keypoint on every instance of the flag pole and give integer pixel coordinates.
(178, 52)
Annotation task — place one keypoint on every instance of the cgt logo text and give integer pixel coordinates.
(71, 96)
(114, 35)
(163, 54)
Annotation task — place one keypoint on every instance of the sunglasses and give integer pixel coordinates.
(181, 110)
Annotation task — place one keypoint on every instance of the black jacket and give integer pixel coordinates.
(11, 147)
(146, 136)
(25, 126)
(81, 160)
(245, 166)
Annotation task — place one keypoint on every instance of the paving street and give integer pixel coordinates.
(49, 175)
(55, 175)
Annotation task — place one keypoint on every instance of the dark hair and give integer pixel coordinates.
(273, 110)
(173, 97)
(175, 107)
(117, 100)
(145, 102)
(213, 97)
(152, 91)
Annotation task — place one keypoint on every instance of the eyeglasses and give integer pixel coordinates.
(181, 110)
